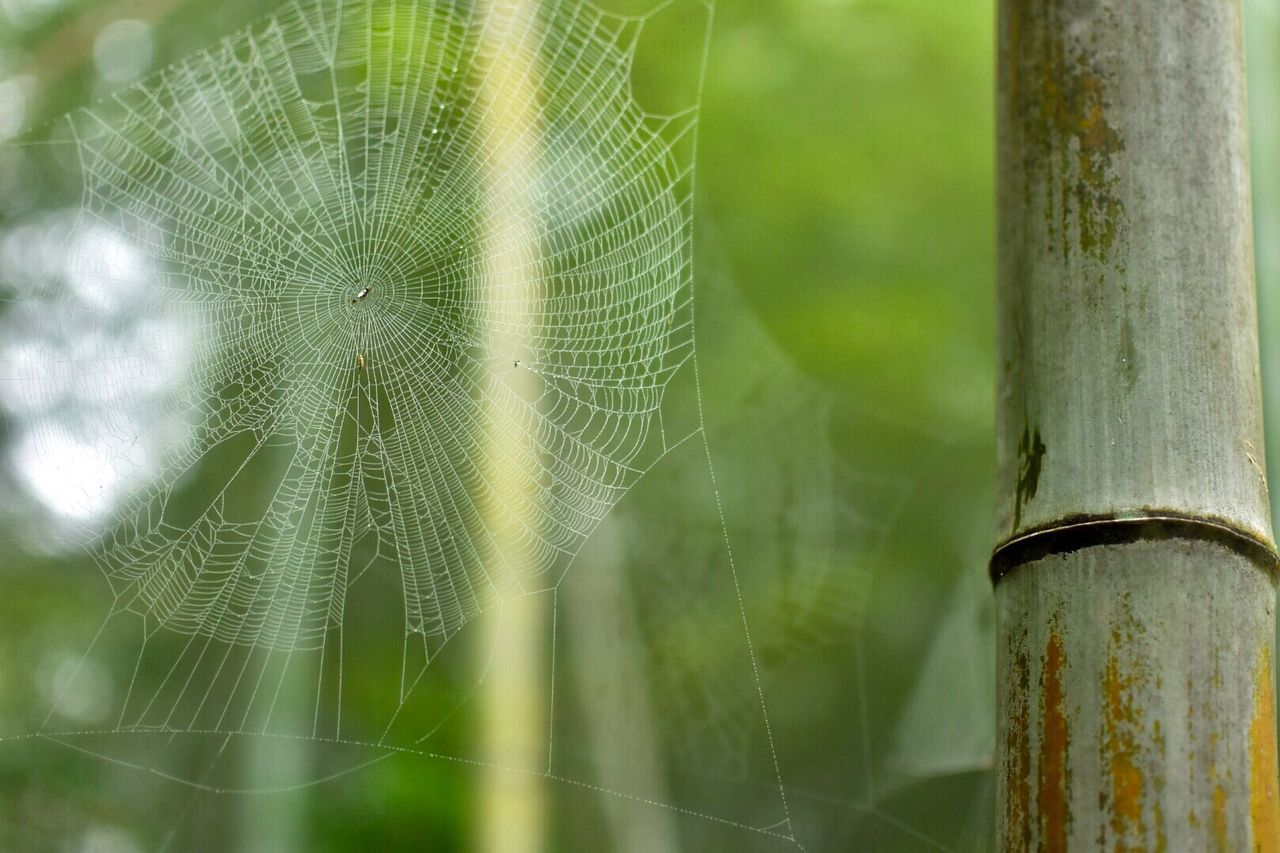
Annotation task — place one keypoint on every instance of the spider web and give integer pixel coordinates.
(418, 277)
(407, 288)
(353, 167)
(338, 150)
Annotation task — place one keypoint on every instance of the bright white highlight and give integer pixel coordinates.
(106, 270)
(15, 95)
(123, 50)
(85, 372)
(69, 476)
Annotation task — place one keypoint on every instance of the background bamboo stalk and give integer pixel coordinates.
(512, 812)
(603, 634)
(1135, 595)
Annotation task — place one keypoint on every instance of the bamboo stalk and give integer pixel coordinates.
(604, 635)
(512, 807)
(1134, 588)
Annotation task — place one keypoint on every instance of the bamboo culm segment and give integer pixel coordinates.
(1134, 566)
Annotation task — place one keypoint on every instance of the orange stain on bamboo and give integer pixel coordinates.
(1120, 719)
(1264, 819)
(1220, 818)
(1055, 814)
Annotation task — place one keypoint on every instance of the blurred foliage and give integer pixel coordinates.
(848, 174)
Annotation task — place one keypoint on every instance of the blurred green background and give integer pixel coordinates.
(844, 268)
